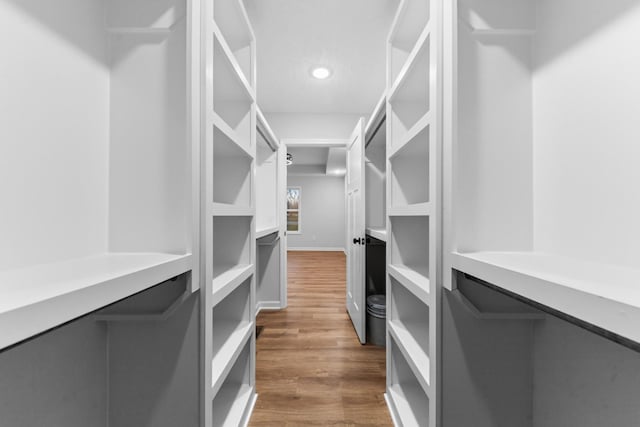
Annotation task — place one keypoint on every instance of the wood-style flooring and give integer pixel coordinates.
(311, 369)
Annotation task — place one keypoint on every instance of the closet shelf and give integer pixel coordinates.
(266, 231)
(414, 279)
(146, 30)
(225, 209)
(602, 295)
(233, 337)
(231, 17)
(219, 123)
(416, 209)
(378, 233)
(233, 63)
(505, 32)
(38, 298)
(407, 67)
(239, 400)
(413, 353)
(419, 126)
(406, 412)
(227, 278)
(139, 31)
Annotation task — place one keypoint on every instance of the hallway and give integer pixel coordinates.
(311, 369)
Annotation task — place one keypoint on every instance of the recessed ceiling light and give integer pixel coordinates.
(321, 73)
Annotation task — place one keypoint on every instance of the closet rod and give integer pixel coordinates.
(611, 336)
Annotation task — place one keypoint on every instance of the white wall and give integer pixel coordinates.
(586, 152)
(54, 150)
(322, 214)
(313, 126)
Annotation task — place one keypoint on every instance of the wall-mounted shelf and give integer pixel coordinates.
(414, 279)
(409, 23)
(378, 233)
(233, 97)
(414, 354)
(225, 209)
(605, 296)
(409, 244)
(39, 298)
(266, 231)
(497, 32)
(417, 209)
(409, 324)
(232, 177)
(227, 278)
(232, 328)
(409, 174)
(408, 402)
(410, 98)
(417, 131)
(230, 136)
(139, 31)
(231, 72)
(235, 398)
(233, 23)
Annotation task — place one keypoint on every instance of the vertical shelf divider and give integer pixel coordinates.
(229, 161)
(413, 213)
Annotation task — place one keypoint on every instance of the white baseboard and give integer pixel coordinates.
(316, 249)
(268, 305)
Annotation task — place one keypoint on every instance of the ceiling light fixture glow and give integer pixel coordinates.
(321, 73)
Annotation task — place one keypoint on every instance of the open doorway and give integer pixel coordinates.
(310, 353)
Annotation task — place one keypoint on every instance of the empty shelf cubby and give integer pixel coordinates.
(232, 177)
(235, 252)
(231, 18)
(409, 172)
(410, 315)
(410, 98)
(232, 328)
(410, 21)
(232, 97)
(234, 398)
(409, 402)
(410, 244)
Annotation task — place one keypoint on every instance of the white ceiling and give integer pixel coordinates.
(317, 161)
(309, 155)
(293, 36)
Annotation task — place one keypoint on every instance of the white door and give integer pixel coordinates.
(356, 231)
(282, 213)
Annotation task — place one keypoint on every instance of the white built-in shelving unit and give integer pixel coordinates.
(375, 164)
(101, 194)
(229, 215)
(271, 252)
(541, 190)
(412, 175)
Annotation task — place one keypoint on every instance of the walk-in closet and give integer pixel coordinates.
(479, 158)
(539, 323)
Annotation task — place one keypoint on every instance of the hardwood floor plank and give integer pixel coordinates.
(311, 368)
